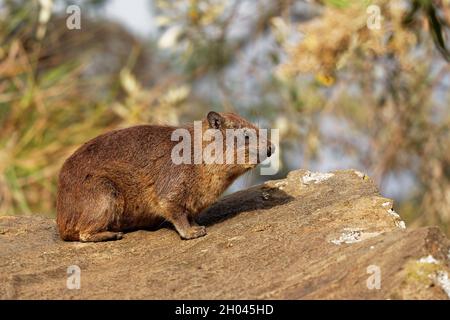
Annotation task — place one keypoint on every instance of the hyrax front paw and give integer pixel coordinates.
(194, 232)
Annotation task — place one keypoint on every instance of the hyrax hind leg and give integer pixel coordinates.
(102, 207)
(186, 229)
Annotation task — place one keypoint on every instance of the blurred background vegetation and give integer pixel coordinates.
(342, 94)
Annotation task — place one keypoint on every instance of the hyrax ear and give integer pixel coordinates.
(215, 120)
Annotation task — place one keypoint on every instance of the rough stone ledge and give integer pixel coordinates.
(309, 236)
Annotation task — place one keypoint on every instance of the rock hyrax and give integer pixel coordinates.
(126, 180)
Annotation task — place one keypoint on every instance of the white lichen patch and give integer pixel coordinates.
(281, 184)
(428, 259)
(387, 204)
(399, 223)
(359, 174)
(348, 237)
(443, 281)
(393, 213)
(316, 177)
(354, 235)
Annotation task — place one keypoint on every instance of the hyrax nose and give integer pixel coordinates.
(270, 150)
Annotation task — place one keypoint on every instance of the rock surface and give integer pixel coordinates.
(309, 236)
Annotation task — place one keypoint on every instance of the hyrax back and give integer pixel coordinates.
(126, 179)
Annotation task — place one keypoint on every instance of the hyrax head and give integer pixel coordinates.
(243, 143)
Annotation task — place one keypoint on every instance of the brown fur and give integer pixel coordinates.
(125, 180)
